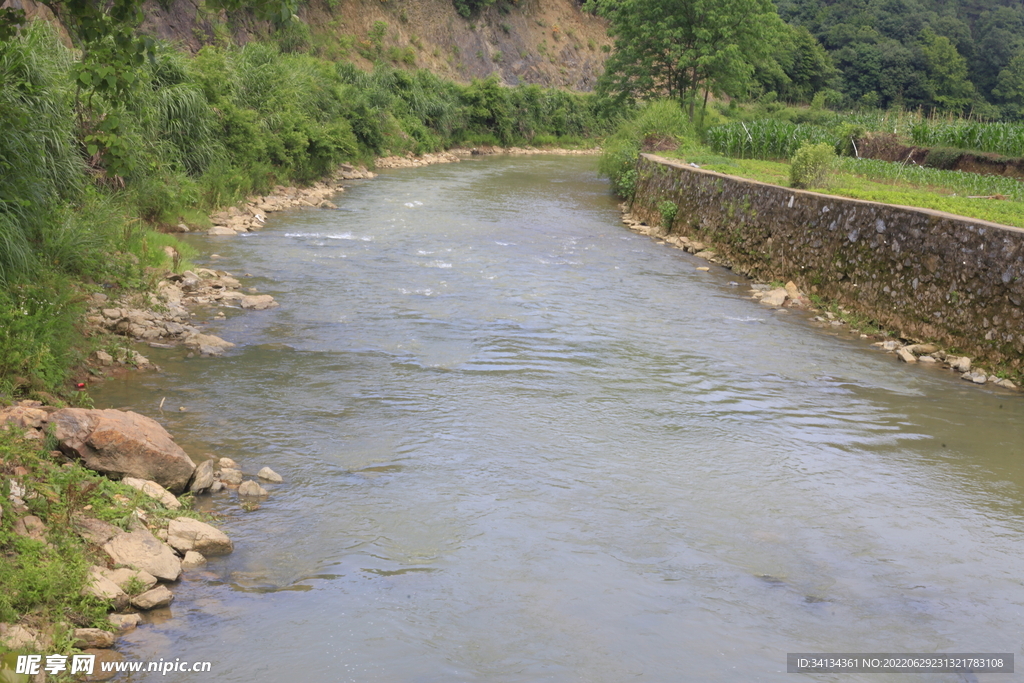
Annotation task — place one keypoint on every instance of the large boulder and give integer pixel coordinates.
(121, 444)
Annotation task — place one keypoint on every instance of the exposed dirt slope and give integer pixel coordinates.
(550, 42)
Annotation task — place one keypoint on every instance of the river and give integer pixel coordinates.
(521, 443)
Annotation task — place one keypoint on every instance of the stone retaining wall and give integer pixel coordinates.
(925, 274)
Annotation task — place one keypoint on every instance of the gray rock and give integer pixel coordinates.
(155, 491)
(151, 599)
(185, 533)
(1006, 384)
(231, 476)
(93, 530)
(961, 364)
(93, 637)
(906, 356)
(203, 479)
(123, 576)
(123, 622)
(270, 475)
(776, 297)
(258, 303)
(226, 463)
(891, 345)
(921, 349)
(142, 550)
(251, 488)
(193, 560)
(16, 637)
(99, 586)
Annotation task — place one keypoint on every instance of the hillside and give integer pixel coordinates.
(549, 42)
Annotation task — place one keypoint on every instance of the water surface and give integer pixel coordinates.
(521, 443)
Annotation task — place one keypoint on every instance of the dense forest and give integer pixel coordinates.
(949, 55)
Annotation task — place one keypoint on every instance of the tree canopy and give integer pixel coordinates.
(678, 48)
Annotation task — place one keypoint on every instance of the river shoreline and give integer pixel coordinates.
(790, 296)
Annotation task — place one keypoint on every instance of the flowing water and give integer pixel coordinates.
(521, 443)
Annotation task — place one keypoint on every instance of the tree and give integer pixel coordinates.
(947, 74)
(1010, 87)
(675, 48)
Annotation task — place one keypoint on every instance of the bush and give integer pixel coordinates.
(658, 125)
(668, 213)
(812, 165)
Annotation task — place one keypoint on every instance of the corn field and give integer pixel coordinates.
(961, 183)
(1001, 138)
(766, 138)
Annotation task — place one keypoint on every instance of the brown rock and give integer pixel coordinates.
(24, 416)
(258, 303)
(231, 476)
(103, 588)
(251, 488)
(123, 444)
(203, 478)
(123, 622)
(185, 533)
(32, 527)
(142, 550)
(123, 576)
(192, 560)
(93, 637)
(17, 637)
(102, 656)
(151, 599)
(155, 491)
(94, 530)
(775, 298)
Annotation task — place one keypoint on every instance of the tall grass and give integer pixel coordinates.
(766, 138)
(661, 124)
(1001, 138)
(960, 182)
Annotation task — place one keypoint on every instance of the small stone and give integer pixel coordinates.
(17, 637)
(776, 297)
(227, 462)
(891, 345)
(203, 479)
(217, 486)
(906, 356)
(151, 599)
(154, 490)
(93, 637)
(927, 359)
(961, 364)
(251, 488)
(231, 476)
(185, 533)
(123, 622)
(193, 560)
(270, 475)
(704, 268)
(921, 349)
(103, 657)
(1006, 384)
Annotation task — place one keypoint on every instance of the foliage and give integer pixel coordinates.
(812, 165)
(668, 210)
(668, 48)
(1001, 138)
(653, 124)
(767, 138)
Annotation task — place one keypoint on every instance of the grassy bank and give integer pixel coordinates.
(44, 577)
(83, 201)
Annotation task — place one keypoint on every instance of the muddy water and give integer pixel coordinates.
(522, 444)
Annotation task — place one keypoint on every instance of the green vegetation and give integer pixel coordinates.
(993, 198)
(1001, 138)
(43, 579)
(668, 211)
(657, 125)
(667, 48)
(812, 165)
(78, 200)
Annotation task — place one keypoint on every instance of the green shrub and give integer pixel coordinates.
(812, 165)
(668, 210)
(655, 125)
(944, 158)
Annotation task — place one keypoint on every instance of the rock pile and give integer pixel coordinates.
(932, 354)
(413, 161)
(166, 323)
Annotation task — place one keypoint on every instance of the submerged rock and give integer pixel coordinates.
(270, 475)
(251, 488)
(185, 534)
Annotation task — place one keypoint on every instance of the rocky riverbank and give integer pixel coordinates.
(789, 296)
(108, 509)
